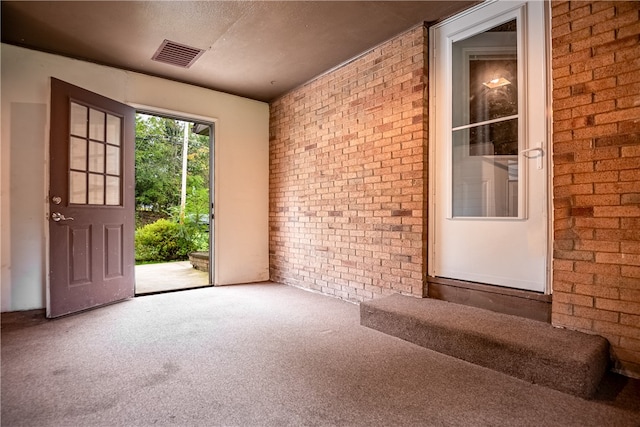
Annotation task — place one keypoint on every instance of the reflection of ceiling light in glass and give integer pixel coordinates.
(497, 82)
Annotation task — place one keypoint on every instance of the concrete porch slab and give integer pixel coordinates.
(168, 276)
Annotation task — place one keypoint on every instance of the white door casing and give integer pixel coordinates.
(488, 205)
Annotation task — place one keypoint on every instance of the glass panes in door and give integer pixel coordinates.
(95, 172)
(485, 123)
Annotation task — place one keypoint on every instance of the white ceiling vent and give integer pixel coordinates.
(177, 54)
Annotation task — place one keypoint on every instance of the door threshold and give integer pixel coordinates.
(166, 291)
(515, 302)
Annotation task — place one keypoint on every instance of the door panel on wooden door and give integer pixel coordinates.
(490, 210)
(91, 259)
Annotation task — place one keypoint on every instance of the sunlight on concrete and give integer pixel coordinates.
(168, 276)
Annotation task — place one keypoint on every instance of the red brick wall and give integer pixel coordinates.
(596, 184)
(348, 168)
(347, 176)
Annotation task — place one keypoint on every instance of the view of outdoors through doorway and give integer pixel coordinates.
(174, 230)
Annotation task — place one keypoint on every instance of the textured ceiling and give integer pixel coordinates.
(255, 49)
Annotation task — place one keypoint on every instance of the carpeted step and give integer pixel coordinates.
(569, 361)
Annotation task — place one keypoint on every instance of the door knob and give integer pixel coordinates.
(57, 217)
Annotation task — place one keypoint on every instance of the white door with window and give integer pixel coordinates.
(488, 134)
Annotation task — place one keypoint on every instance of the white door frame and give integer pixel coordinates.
(431, 203)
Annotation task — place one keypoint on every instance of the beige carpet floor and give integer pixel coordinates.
(262, 355)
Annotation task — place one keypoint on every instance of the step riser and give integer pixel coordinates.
(577, 377)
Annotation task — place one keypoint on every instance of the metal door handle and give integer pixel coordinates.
(57, 217)
(539, 156)
(529, 150)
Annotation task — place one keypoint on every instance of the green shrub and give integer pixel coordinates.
(163, 240)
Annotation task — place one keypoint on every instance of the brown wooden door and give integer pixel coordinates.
(91, 197)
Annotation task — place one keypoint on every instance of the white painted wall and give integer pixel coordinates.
(241, 166)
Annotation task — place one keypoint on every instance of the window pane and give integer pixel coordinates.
(78, 119)
(113, 129)
(493, 89)
(96, 157)
(484, 184)
(96, 125)
(485, 76)
(113, 160)
(78, 188)
(96, 189)
(78, 154)
(113, 190)
(495, 139)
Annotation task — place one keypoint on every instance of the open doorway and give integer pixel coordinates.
(173, 202)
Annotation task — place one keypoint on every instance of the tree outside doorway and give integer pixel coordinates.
(172, 189)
